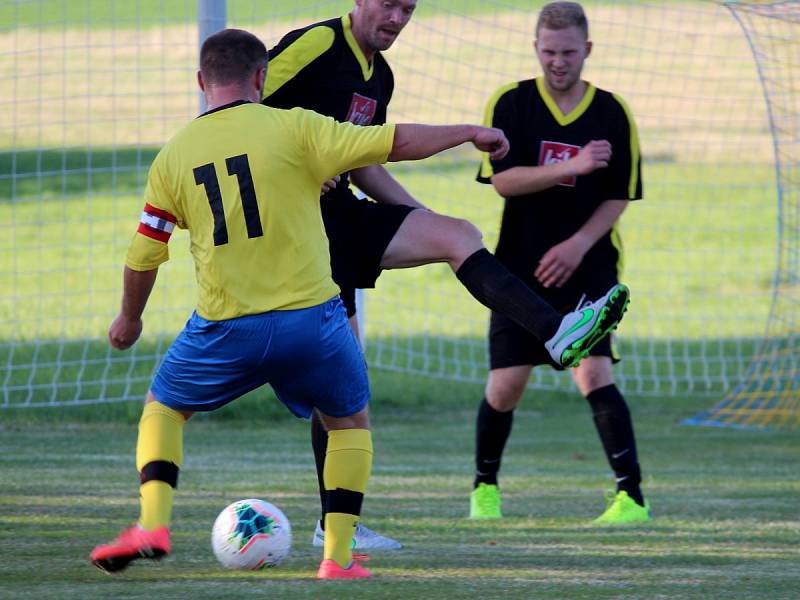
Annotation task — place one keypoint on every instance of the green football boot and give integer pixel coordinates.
(582, 329)
(622, 509)
(484, 502)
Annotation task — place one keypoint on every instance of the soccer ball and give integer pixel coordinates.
(251, 534)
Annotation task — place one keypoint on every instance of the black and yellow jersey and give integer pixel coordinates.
(251, 204)
(322, 68)
(540, 134)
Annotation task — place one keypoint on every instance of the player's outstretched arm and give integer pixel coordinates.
(413, 142)
(127, 327)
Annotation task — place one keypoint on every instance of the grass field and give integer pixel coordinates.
(91, 89)
(93, 14)
(725, 504)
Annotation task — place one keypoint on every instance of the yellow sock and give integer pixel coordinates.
(155, 499)
(159, 455)
(348, 462)
(339, 530)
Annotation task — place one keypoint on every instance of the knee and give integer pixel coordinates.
(468, 231)
(464, 238)
(359, 420)
(504, 395)
(590, 376)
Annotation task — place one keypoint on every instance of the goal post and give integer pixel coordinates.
(769, 394)
(211, 18)
(90, 92)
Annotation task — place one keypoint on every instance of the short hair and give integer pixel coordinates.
(560, 15)
(231, 56)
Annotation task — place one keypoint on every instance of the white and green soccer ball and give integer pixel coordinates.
(251, 534)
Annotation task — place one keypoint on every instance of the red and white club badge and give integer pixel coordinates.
(556, 152)
(362, 110)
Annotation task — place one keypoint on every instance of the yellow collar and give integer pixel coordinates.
(366, 66)
(576, 112)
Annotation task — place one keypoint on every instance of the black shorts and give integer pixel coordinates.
(511, 345)
(359, 232)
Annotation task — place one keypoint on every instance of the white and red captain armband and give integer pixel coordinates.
(156, 223)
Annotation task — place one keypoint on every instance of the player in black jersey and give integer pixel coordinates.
(573, 166)
(335, 67)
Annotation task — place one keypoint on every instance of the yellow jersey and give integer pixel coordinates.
(245, 179)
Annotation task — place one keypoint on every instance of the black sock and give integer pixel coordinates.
(491, 433)
(615, 428)
(319, 442)
(497, 288)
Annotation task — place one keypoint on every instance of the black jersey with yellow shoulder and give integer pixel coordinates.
(322, 68)
(540, 134)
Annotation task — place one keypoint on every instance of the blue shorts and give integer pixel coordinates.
(309, 356)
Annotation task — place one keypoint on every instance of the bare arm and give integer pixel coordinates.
(413, 142)
(127, 327)
(559, 262)
(518, 181)
(377, 183)
(601, 221)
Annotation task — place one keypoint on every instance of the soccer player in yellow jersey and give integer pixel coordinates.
(268, 309)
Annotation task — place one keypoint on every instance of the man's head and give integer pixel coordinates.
(233, 58)
(377, 23)
(562, 43)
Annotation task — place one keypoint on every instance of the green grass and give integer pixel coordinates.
(71, 172)
(703, 241)
(93, 14)
(725, 504)
(55, 14)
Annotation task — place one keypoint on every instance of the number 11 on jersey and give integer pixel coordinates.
(206, 175)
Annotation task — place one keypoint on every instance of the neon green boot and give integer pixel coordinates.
(623, 509)
(484, 502)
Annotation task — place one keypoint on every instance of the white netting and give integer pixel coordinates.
(89, 94)
(770, 393)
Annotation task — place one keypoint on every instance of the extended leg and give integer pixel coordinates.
(159, 455)
(319, 441)
(426, 237)
(365, 538)
(347, 468)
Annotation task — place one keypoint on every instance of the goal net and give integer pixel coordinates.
(90, 91)
(769, 394)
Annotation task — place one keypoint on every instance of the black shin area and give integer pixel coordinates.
(615, 428)
(491, 433)
(494, 286)
(160, 470)
(319, 442)
(344, 501)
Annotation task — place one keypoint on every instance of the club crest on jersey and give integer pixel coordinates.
(556, 152)
(156, 223)
(362, 110)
